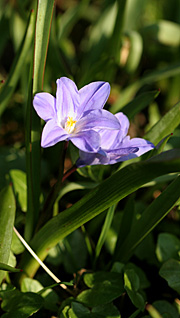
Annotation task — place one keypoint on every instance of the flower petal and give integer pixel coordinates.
(67, 99)
(97, 119)
(87, 159)
(94, 95)
(45, 105)
(113, 139)
(124, 122)
(52, 134)
(142, 144)
(87, 141)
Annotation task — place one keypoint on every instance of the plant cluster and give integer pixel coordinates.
(89, 159)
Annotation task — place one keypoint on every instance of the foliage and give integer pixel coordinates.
(106, 238)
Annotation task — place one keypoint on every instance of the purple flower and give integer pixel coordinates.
(75, 115)
(116, 146)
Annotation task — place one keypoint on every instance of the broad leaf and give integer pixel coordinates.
(132, 286)
(168, 246)
(170, 271)
(105, 311)
(19, 304)
(105, 287)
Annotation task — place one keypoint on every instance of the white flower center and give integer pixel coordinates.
(70, 124)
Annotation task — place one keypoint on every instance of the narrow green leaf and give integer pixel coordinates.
(5, 267)
(128, 93)
(75, 186)
(112, 190)
(165, 126)
(43, 24)
(155, 212)
(135, 52)
(105, 229)
(18, 178)
(116, 39)
(126, 223)
(138, 103)
(7, 216)
(16, 69)
(164, 32)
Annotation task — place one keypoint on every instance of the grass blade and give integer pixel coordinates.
(155, 212)
(43, 24)
(7, 216)
(112, 190)
(105, 229)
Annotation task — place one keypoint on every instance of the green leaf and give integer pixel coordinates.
(19, 304)
(42, 32)
(137, 104)
(132, 285)
(135, 43)
(164, 32)
(153, 214)
(168, 246)
(16, 69)
(7, 216)
(8, 268)
(166, 309)
(105, 229)
(71, 186)
(105, 287)
(125, 225)
(109, 192)
(170, 271)
(43, 25)
(144, 283)
(165, 126)
(18, 178)
(105, 311)
(34, 286)
(128, 93)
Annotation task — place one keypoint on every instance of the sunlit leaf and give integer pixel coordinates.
(112, 190)
(7, 216)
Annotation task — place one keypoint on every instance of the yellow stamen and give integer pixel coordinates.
(70, 124)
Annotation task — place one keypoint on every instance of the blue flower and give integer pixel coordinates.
(75, 115)
(116, 146)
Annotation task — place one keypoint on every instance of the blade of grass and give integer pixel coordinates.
(139, 103)
(155, 212)
(42, 33)
(128, 93)
(165, 125)
(109, 192)
(105, 229)
(7, 216)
